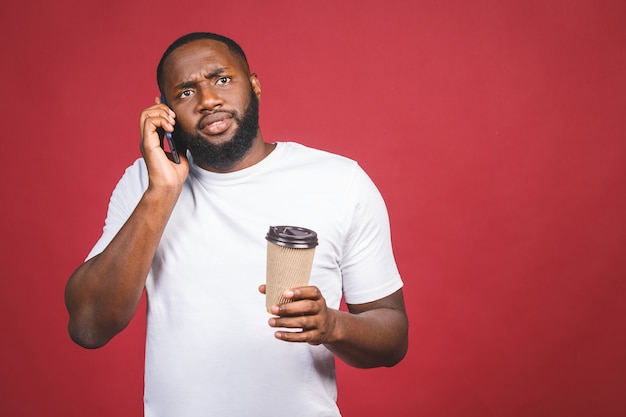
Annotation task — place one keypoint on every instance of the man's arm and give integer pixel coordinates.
(369, 335)
(102, 294)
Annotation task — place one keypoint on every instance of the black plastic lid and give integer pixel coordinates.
(292, 237)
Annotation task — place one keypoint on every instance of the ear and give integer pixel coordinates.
(256, 85)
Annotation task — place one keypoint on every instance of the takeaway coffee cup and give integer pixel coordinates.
(290, 251)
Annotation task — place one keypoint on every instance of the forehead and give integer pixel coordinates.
(198, 58)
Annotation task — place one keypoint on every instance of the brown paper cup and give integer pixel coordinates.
(290, 252)
(286, 268)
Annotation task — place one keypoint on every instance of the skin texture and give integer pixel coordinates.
(205, 86)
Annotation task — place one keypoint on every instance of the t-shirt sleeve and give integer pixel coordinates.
(122, 203)
(369, 270)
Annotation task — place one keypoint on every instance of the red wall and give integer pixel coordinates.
(494, 130)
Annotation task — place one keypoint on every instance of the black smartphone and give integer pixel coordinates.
(170, 141)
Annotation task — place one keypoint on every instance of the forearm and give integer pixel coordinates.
(103, 293)
(369, 339)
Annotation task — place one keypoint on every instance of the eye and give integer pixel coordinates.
(223, 80)
(185, 94)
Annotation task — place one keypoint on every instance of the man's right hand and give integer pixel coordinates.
(163, 173)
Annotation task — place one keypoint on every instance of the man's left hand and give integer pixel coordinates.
(306, 312)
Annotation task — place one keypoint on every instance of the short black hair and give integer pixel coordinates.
(233, 47)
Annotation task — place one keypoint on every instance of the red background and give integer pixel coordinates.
(494, 130)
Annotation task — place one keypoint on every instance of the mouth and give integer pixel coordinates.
(215, 123)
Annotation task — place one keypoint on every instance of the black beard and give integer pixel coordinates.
(226, 155)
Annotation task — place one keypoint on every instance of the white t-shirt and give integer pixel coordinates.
(209, 348)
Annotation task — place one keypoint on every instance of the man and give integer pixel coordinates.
(192, 234)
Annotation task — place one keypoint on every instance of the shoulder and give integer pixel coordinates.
(306, 156)
(135, 177)
(137, 170)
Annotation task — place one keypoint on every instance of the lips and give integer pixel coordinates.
(215, 123)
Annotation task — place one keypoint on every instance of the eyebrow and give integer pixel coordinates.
(215, 73)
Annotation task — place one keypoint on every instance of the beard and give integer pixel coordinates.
(224, 155)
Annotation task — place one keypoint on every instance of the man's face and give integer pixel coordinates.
(215, 101)
(224, 155)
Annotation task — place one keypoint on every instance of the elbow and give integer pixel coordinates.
(85, 337)
(88, 327)
(398, 355)
(401, 346)
(388, 357)
(92, 334)
(86, 343)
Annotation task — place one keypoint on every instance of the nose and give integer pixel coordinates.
(209, 99)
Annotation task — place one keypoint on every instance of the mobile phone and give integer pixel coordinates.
(170, 141)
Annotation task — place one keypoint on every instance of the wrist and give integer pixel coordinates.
(336, 326)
